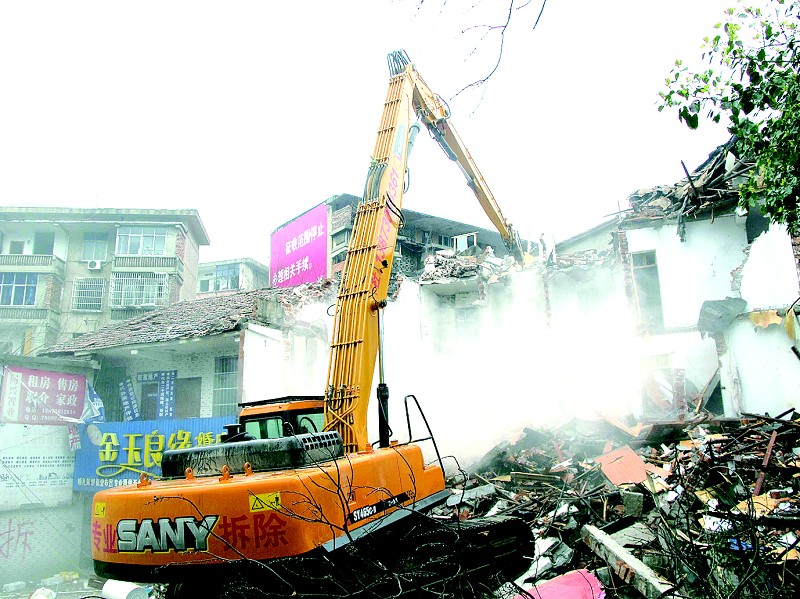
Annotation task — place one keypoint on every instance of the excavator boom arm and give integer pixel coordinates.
(365, 276)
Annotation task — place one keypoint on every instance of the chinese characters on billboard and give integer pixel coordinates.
(299, 249)
(39, 397)
(165, 394)
(116, 453)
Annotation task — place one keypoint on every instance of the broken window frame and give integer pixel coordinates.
(647, 289)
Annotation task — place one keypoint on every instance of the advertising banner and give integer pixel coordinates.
(299, 249)
(165, 396)
(127, 399)
(36, 466)
(41, 397)
(116, 453)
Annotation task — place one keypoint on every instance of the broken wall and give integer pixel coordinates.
(696, 270)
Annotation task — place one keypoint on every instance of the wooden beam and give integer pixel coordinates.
(626, 565)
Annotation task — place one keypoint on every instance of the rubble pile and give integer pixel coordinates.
(692, 509)
(446, 265)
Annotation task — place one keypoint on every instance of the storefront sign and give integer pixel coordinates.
(41, 397)
(116, 453)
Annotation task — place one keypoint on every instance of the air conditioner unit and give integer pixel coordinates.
(94, 264)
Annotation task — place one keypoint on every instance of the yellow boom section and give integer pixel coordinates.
(365, 277)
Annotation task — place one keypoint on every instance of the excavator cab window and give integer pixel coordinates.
(265, 428)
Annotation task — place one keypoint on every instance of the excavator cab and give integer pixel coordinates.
(282, 417)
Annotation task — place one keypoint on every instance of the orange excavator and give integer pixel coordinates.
(314, 508)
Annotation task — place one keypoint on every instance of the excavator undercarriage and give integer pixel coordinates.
(418, 556)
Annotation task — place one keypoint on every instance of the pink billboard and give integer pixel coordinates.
(299, 249)
(41, 397)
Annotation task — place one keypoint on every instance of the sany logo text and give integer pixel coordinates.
(181, 535)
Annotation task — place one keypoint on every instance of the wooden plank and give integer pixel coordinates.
(626, 565)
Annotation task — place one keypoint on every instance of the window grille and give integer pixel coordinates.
(87, 294)
(18, 288)
(141, 241)
(139, 289)
(226, 385)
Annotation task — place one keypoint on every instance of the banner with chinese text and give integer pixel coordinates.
(127, 399)
(299, 249)
(116, 453)
(41, 397)
(165, 396)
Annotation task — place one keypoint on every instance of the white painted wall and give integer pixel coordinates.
(696, 270)
(769, 277)
(278, 363)
(767, 369)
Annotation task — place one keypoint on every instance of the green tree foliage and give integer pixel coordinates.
(752, 84)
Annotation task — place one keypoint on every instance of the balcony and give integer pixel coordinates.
(25, 313)
(170, 264)
(37, 263)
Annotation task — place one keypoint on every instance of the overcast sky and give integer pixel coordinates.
(253, 112)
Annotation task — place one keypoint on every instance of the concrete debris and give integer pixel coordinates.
(708, 509)
(446, 265)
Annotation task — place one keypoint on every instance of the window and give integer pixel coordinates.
(18, 289)
(339, 258)
(340, 238)
(16, 247)
(227, 277)
(226, 385)
(468, 323)
(43, 243)
(466, 241)
(444, 240)
(204, 285)
(87, 294)
(139, 289)
(141, 241)
(95, 246)
(647, 289)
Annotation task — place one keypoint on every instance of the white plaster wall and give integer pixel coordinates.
(696, 270)
(768, 370)
(276, 364)
(769, 277)
(188, 365)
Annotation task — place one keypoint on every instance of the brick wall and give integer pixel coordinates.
(180, 245)
(620, 241)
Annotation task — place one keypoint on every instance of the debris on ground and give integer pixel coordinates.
(689, 508)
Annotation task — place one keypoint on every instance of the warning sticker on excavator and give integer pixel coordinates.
(263, 502)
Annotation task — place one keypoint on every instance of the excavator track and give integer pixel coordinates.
(416, 557)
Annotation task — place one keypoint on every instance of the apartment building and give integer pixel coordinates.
(314, 244)
(229, 276)
(69, 271)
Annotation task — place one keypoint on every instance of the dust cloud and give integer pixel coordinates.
(485, 364)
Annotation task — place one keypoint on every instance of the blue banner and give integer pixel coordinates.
(165, 396)
(127, 398)
(116, 453)
(94, 410)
